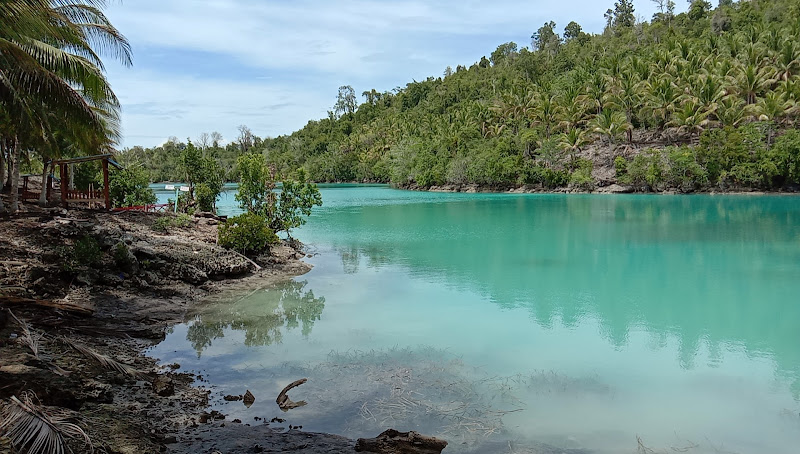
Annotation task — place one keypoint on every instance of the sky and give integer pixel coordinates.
(212, 65)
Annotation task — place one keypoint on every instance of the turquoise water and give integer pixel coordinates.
(501, 321)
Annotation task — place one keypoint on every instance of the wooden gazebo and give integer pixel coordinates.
(90, 195)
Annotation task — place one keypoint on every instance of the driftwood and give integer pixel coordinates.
(283, 400)
(394, 442)
(250, 261)
(60, 305)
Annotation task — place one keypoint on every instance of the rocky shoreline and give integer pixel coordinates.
(73, 282)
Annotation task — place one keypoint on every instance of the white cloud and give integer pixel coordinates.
(155, 107)
(305, 50)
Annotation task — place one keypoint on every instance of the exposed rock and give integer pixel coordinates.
(163, 386)
(191, 274)
(615, 189)
(394, 442)
(125, 259)
(248, 399)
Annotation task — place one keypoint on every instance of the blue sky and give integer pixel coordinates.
(212, 65)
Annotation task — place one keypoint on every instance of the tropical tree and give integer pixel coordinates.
(52, 78)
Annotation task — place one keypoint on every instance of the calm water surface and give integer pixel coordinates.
(502, 321)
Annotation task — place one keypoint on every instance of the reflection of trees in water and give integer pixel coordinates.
(264, 316)
(625, 262)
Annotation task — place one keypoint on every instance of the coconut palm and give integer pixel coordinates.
(571, 142)
(787, 60)
(626, 94)
(661, 98)
(51, 76)
(690, 118)
(610, 124)
(751, 81)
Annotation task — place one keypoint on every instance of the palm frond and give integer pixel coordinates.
(104, 360)
(35, 430)
(30, 338)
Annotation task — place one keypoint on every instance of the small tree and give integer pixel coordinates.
(283, 211)
(295, 203)
(204, 176)
(130, 187)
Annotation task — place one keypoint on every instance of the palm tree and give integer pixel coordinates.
(545, 112)
(51, 76)
(662, 97)
(610, 123)
(626, 94)
(690, 118)
(751, 81)
(787, 60)
(572, 141)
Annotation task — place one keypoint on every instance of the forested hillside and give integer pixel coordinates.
(706, 99)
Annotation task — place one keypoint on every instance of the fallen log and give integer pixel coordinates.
(394, 442)
(283, 400)
(59, 305)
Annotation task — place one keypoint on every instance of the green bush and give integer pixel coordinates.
(581, 178)
(684, 173)
(164, 223)
(621, 167)
(130, 187)
(646, 171)
(84, 253)
(247, 233)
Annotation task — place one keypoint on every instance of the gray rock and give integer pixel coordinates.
(191, 274)
(163, 386)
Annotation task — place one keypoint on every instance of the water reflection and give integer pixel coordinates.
(717, 272)
(263, 315)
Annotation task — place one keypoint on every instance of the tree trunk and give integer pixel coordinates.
(13, 197)
(2, 163)
(45, 183)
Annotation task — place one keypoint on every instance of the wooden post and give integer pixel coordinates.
(106, 192)
(63, 171)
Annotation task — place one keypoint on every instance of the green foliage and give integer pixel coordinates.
(787, 155)
(581, 178)
(85, 252)
(684, 172)
(247, 233)
(204, 175)
(256, 186)
(122, 256)
(620, 167)
(167, 222)
(645, 171)
(295, 202)
(130, 187)
(523, 115)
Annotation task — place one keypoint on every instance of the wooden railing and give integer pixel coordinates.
(77, 196)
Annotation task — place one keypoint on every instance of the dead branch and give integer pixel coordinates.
(283, 400)
(60, 305)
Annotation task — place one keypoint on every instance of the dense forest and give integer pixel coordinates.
(702, 100)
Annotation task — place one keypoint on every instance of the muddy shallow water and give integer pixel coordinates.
(511, 320)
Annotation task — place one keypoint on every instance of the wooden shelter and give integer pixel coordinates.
(90, 195)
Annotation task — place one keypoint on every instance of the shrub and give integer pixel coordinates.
(130, 187)
(164, 223)
(84, 253)
(582, 177)
(684, 172)
(646, 171)
(621, 167)
(247, 233)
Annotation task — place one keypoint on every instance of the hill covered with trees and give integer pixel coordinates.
(702, 100)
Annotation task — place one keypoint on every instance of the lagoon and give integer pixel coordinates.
(502, 321)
